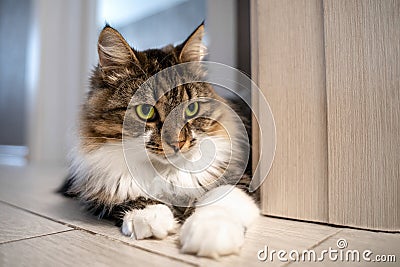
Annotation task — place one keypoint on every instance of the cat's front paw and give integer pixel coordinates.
(153, 221)
(211, 232)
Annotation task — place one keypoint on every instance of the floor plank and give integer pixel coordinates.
(34, 190)
(40, 198)
(16, 224)
(274, 233)
(78, 248)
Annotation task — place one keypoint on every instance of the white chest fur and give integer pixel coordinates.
(109, 175)
(115, 173)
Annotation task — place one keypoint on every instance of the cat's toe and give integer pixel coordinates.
(153, 221)
(211, 232)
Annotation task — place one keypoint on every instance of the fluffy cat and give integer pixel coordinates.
(213, 225)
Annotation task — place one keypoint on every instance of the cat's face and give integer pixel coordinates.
(188, 108)
(178, 120)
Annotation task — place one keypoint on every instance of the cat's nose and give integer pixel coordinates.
(177, 145)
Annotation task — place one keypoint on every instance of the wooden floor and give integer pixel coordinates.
(41, 228)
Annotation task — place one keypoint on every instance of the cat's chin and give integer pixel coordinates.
(168, 159)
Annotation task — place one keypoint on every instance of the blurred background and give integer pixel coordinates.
(48, 48)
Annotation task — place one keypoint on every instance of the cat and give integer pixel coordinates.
(213, 225)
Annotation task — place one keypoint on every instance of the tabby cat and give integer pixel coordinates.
(217, 213)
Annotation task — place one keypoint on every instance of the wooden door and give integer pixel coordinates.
(330, 71)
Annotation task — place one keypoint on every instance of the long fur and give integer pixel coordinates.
(128, 177)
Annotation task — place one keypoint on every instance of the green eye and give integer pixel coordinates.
(145, 112)
(192, 109)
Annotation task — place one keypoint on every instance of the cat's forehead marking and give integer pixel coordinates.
(171, 100)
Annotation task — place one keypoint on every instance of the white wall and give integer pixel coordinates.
(169, 26)
(63, 51)
(14, 22)
(61, 55)
(122, 12)
(222, 30)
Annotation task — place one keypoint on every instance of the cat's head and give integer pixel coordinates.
(191, 115)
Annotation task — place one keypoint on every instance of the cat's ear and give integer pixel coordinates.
(113, 50)
(193, 48)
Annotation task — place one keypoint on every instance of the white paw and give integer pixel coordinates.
(153, 221)
(211, 232)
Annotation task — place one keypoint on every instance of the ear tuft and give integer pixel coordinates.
(113, 50)
(193, 48)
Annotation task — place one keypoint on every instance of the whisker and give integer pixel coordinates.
(137, 65)
(130, 148)
(102, 145)
(110, 151)
(122, 145)
(120, 149)
(100, 137)
(155, 148)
